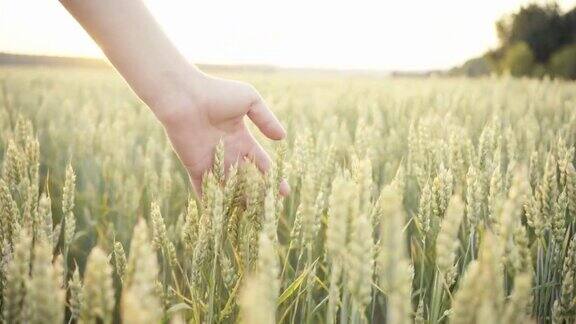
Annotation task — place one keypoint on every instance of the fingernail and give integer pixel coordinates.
(284, 188)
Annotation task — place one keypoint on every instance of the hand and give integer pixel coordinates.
(197, 110)
(205, 110)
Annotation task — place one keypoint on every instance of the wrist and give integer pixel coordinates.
(178, 92)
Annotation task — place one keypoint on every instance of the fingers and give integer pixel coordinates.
(237, 151)
(284, 188)
(260, 158)
(265, 120)
(263, 162)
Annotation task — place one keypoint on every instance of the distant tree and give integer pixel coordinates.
(541, 27)
(569, 22)
(537, 40)
(518, 60)
(563, 62)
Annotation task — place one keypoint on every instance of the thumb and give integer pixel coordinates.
(265, 120)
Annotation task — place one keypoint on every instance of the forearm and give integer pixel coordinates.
(137, 47)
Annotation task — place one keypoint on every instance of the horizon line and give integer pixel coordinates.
(230, 64)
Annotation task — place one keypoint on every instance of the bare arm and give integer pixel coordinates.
(196, 110)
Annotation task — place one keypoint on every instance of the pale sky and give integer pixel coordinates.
(367, 34)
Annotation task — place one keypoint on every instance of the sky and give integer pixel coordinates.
(406, 35)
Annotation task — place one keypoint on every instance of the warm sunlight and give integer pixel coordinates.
(287, 161)
(337, 34)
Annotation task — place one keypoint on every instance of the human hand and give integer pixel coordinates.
(200, 111)
(196, 110)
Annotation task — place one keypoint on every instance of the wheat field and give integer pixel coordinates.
(413, 201)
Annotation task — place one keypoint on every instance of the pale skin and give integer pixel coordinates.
(196, 110)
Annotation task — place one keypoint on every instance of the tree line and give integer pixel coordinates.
(536, 41)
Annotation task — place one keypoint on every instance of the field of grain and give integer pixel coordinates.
(413, 200)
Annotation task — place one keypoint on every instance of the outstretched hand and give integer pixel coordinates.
(197, 111)
(210, 110)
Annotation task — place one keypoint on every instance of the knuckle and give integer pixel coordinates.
(252, 94)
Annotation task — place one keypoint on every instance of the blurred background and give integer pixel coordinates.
(523, 38)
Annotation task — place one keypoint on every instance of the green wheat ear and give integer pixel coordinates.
(45, 294)
(68, 195)
(15, 274)
(97, 292)
(140, 302)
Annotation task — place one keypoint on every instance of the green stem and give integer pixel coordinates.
(210, 318)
